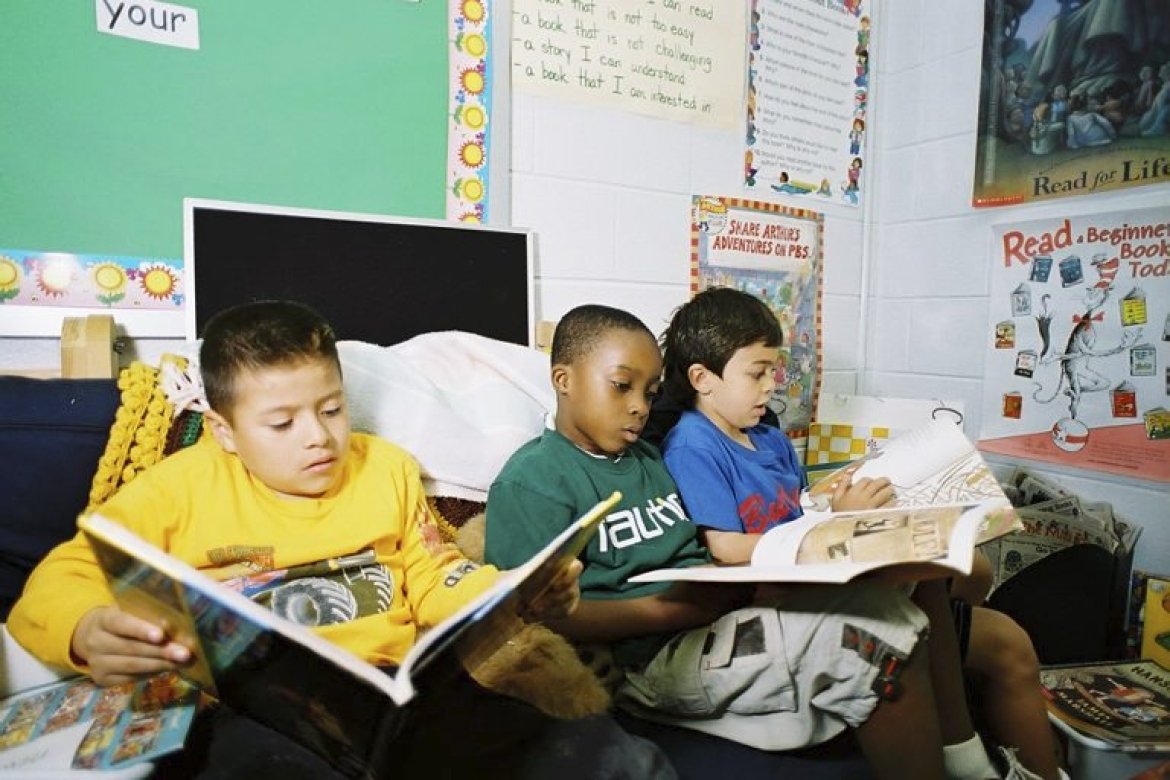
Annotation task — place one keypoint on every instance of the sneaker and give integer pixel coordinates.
(1012, 769)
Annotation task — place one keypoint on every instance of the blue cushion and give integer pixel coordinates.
(52, 433)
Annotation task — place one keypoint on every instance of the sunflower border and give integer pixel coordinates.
(469, 109)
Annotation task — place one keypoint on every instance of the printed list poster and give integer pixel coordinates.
(1078, 344)
(672, 59)
(808, 92)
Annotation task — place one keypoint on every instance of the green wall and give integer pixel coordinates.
(335, 104)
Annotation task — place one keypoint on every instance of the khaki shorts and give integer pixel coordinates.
(784, 676)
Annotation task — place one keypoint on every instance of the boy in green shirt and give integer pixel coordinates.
(771, 675)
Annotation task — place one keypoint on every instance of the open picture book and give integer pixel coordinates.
(296, 682)
(946, 502)
(903, 543)
(932, 464)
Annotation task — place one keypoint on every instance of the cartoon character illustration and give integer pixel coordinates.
(1077, 375)
(862, 30)
(862, 68)
(749, 169)
(856, 135)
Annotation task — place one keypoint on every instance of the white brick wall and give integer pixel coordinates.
(928, 291)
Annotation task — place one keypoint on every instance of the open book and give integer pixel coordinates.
(932, 464)
(296, 682)
(946, 501)
(907, 543)
(1116, 705)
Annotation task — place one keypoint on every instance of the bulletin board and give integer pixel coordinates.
(308, 103)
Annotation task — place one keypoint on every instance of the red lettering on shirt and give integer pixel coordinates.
(758, 515)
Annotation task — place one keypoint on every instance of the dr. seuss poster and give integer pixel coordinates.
(1078, 358)
(773, 253)
(808, 93)
(1074, 98)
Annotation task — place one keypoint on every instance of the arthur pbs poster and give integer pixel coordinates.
(1077, 368)
(1074, 99)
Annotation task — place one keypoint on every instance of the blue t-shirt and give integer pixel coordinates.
(729, 487)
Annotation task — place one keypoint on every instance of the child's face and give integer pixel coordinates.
(289, 426)
(738, 399)
(603, 398)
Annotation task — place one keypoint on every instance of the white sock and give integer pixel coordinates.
(968, 761)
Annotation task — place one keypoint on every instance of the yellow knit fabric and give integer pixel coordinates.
(138, 437)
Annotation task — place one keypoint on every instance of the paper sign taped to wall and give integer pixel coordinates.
(896, 413)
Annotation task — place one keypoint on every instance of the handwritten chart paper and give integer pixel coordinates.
(674, 59)
(808, 88)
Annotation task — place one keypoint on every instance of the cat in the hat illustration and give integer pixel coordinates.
(1077, 376)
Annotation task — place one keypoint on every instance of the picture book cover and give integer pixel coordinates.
(1074, 99)
(1126, 705)
(75, 724)
(1155, 621)
(296, 682)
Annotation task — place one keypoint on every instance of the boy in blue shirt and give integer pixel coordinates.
(774, 678)
(738, 478)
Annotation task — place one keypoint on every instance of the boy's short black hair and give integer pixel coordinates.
(708, 329)
(580, 330)
(258, 335)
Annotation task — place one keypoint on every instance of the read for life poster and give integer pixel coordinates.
(1074, 99)
(1077, 367)
(774, 253)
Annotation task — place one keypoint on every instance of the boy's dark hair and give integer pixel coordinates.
(258, 335)
(580, 329)
(708, 329)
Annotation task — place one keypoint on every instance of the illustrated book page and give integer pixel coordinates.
(903, 543)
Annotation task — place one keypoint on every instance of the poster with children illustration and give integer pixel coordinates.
(808, 93)
(1077, 368)
(1074, 99)
(774, 253)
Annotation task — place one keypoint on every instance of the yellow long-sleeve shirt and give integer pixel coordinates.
(202, 506)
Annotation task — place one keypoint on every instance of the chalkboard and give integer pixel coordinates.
(335, 104)
(377, 279)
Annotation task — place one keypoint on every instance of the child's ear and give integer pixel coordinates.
(221, 429)
(560, 378)
(700, 378)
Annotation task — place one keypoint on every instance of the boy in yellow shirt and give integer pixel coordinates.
(284, 483)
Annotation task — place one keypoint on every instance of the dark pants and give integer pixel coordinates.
(459, 730)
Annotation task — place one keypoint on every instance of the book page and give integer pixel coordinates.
(486, 622)
(905, 544)
(918, 454)
(929, 465)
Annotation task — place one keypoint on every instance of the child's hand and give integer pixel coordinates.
(119, 647)
(865, 493)
(561, 597)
